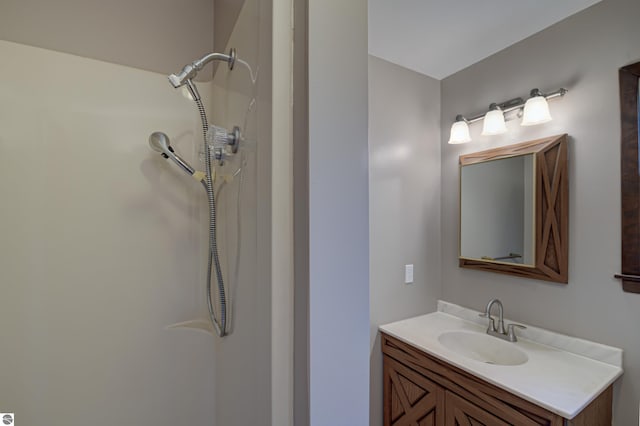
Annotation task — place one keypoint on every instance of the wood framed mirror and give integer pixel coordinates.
(630, 177)
(514, 210)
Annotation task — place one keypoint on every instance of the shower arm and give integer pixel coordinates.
(230, 59)
(189, 71)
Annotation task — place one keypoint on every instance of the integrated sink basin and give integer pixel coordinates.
(482, 347)
(560, 373)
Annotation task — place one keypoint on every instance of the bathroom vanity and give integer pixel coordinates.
(443, 369)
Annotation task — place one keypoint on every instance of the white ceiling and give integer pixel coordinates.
(441, 37)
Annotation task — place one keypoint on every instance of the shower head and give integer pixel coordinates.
(191, 70)
(159, 142)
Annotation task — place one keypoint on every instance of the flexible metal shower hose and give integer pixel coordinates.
(214, 260)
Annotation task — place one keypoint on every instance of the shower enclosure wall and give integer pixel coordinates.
(242, 97)
(103, 243)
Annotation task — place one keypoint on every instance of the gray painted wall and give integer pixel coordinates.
(301, 217)
(339, 211)
(404, 208)
(154, 35)
(582, 53)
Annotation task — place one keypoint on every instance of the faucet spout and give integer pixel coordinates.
(500, 327)
(499, 331)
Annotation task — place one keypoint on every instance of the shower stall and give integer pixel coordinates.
(104, 255)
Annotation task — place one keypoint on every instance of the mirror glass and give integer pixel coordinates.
(497, 208)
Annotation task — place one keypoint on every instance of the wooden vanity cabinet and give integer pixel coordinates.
(420, 390)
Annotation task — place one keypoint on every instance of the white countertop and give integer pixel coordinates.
(563, 375)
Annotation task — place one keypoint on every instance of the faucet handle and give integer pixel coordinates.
(511, 334)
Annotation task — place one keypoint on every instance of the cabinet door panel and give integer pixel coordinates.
(416, 386)
(410, 399)
(461, 412)
(508, 407)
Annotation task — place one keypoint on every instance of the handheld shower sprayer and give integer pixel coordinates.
(218, 143)
(189, 71)
(159, 142)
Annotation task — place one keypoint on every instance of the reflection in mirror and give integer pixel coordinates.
(496, 210)
(514, 210)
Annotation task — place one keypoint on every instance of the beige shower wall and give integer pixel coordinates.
(154, 35)
(242, 97)
(103, 246)
(225, 18)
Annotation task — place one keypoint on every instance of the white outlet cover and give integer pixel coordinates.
(408, 274)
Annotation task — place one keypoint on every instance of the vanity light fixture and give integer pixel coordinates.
(494, 122)
(534, 111)
(459, 131)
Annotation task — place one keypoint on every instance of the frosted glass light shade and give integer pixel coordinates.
(536, 111)
(459, 133)
(494, 123)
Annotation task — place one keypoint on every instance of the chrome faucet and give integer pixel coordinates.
(499, 331)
